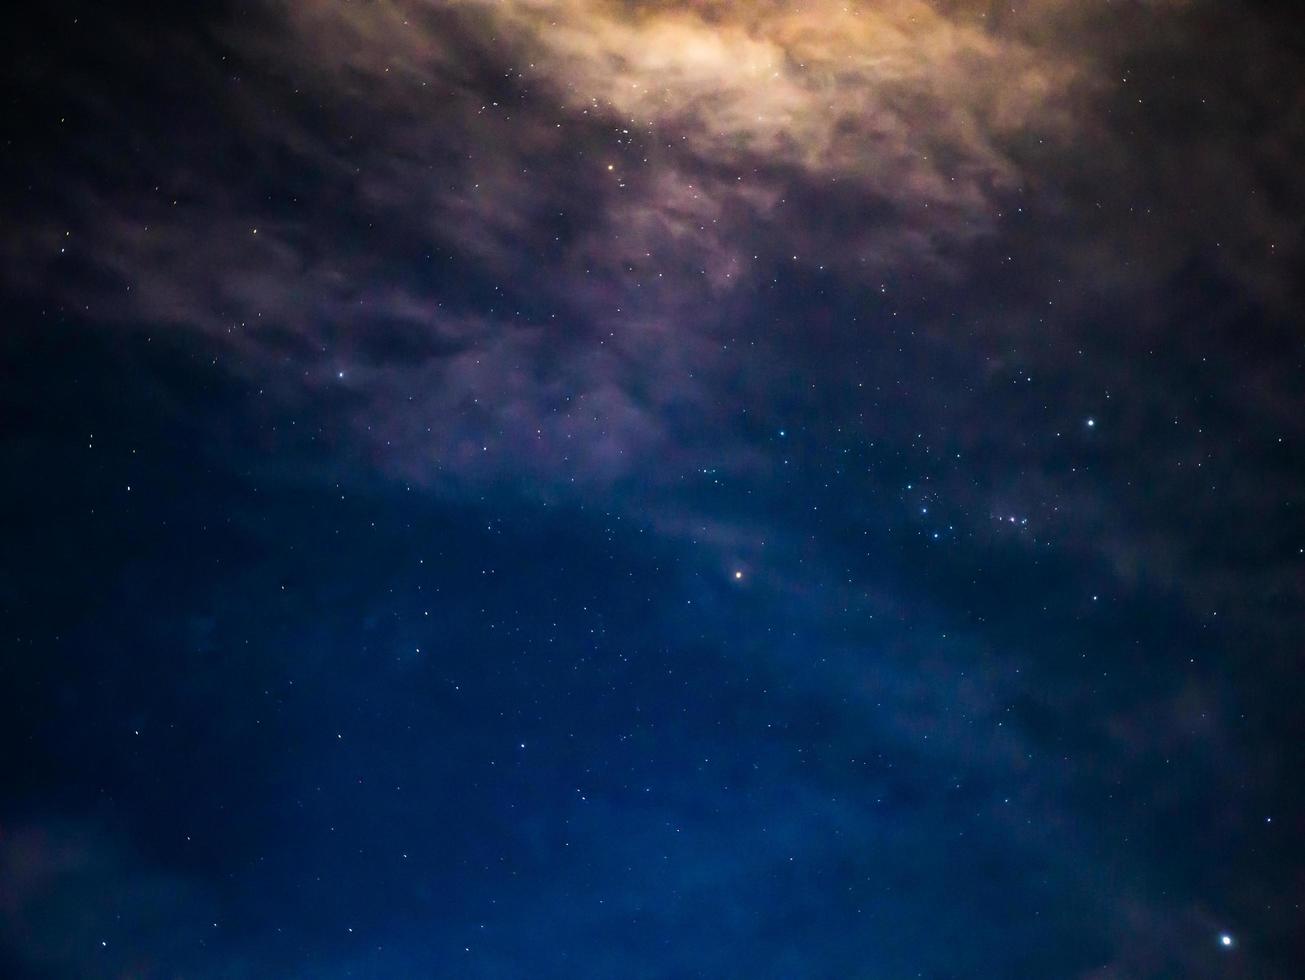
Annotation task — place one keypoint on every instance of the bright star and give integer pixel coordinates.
(1225, 940)
(738, 576)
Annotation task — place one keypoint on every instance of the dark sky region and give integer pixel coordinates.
(610, 489)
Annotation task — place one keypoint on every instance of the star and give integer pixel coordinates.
(1225, 940)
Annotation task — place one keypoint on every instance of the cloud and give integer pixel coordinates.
(628, 173)
(906, 105)
(79, 903)
(529, 243)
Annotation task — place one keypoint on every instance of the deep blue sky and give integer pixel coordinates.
(584, 489)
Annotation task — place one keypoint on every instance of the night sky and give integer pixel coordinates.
(644, 489)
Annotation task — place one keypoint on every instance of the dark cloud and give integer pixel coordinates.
(79, 903)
